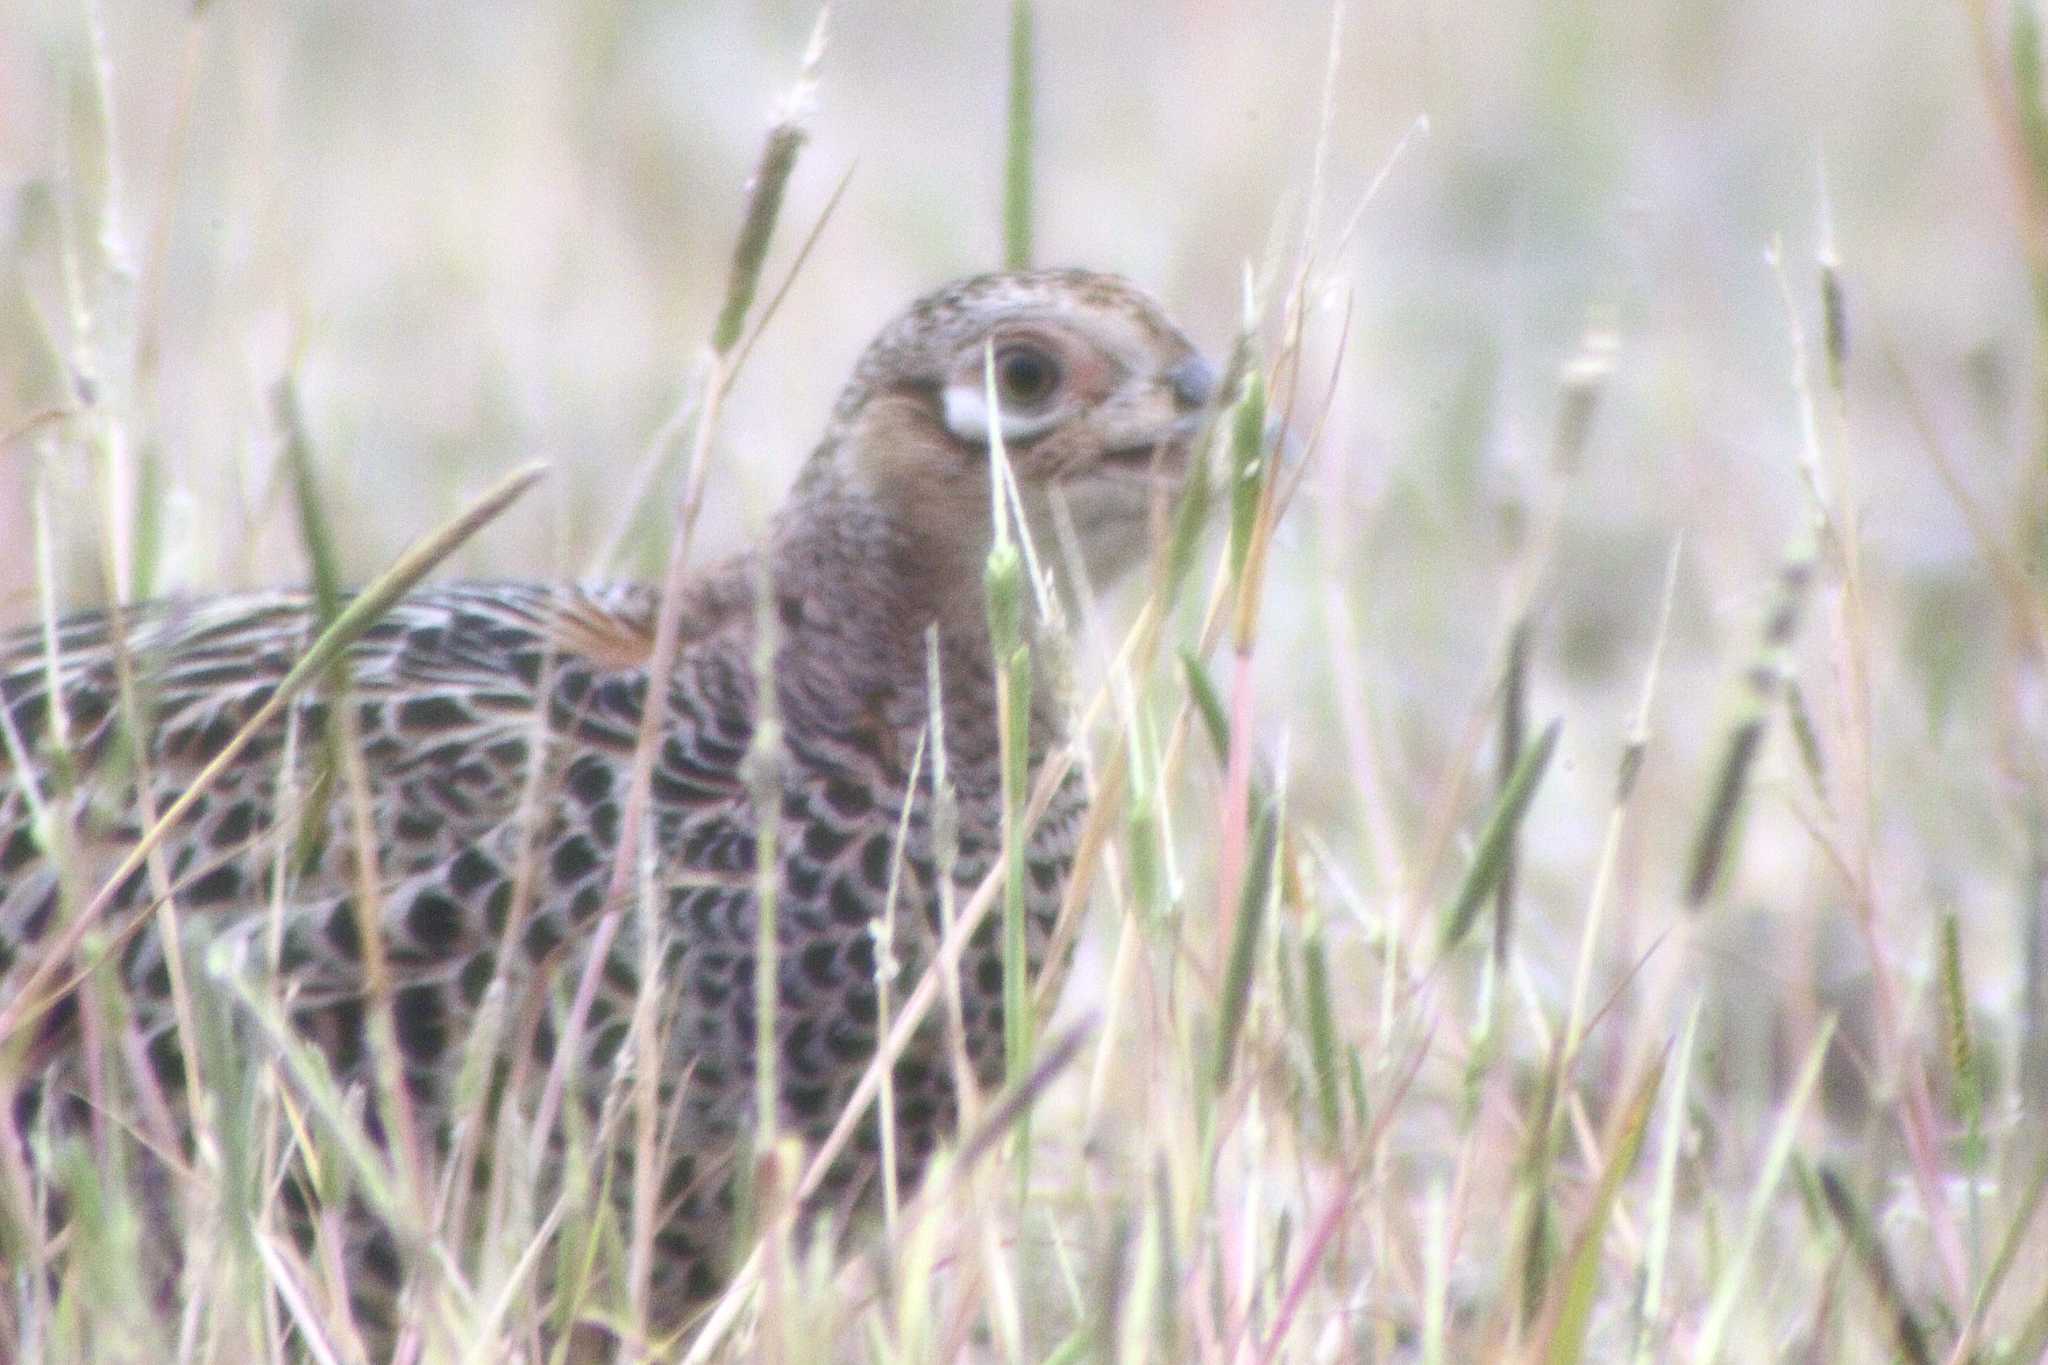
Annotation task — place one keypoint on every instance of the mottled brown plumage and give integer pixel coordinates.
(462, 695)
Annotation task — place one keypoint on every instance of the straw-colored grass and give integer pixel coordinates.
(1568, 870)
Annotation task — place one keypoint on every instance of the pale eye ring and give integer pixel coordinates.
(1026, 375)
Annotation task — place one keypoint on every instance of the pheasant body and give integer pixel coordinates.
(489, 730)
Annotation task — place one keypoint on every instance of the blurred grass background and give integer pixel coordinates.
(482, 231)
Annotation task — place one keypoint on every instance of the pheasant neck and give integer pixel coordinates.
(858, 594)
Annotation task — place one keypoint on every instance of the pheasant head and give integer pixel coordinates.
(1098, 400)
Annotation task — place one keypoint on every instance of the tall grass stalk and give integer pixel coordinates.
(1002, 582)
(1019, 146)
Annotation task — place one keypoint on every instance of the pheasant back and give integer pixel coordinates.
(495, 726)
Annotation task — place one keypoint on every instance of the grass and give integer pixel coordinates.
(1706, 1023)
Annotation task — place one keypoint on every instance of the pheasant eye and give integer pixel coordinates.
(1026, 375)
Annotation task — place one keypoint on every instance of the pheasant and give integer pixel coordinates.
(495, 725)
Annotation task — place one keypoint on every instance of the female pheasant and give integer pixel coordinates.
(495, 725)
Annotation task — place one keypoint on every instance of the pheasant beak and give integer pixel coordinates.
(1167, 421)
(1193, 382)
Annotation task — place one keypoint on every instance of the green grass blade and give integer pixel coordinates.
(1854, 1219)
(315, 531)
(2015, 1238)
(1237, 980)
(1322, 1028)
(757, 229)
(1664, 1194)
(2026, 84)
(1582, 1272)
(1248, 467)
(1707, 1346)
(1208, 704)
(1017, 205)
(1490, 860)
